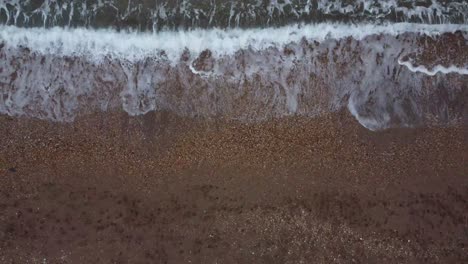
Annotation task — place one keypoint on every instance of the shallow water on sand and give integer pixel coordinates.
(385, 75)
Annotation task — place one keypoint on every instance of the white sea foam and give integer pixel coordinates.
(97, 44)
(435, 70)
(250, 74)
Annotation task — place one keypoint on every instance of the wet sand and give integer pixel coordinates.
(109, 188)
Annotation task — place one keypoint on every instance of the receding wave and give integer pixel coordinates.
(248, 75)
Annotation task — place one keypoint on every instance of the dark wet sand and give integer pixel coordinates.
(160, 189)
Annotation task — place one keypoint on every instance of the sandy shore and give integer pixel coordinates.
(157, 188)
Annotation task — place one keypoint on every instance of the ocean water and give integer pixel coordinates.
(390, 63)
(188, 14)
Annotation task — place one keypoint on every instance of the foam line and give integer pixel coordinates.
(435, 70)
(97, 44)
